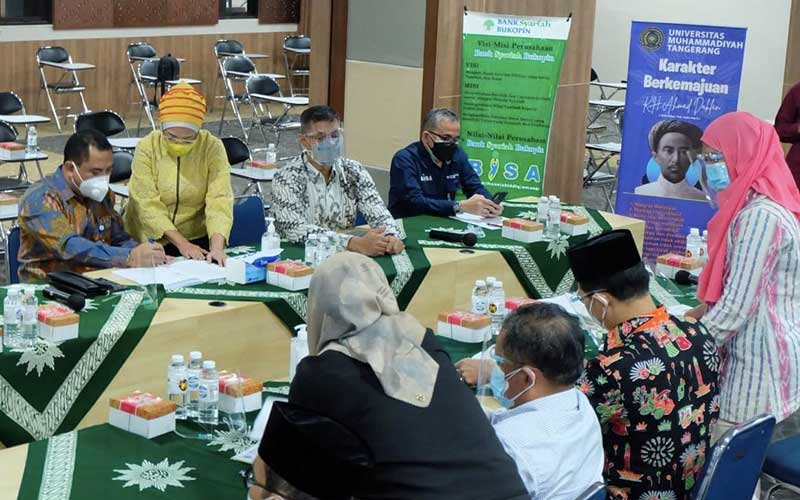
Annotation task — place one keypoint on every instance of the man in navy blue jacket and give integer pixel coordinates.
(426, 175)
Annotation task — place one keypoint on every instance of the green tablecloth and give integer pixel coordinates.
(542, 267)
(50, 388)
(106, 462)
(405, 273)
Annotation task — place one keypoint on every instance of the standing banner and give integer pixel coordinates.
(510, 70)
(680, 78)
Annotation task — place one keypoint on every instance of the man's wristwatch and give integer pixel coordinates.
(457, 207)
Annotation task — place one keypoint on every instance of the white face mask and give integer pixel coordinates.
(95, 188)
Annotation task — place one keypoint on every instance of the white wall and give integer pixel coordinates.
(767, 23)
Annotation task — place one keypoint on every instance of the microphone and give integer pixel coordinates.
(74, 301)
(467, 239)
(685, 278)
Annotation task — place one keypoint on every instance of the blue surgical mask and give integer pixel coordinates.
(328, 150)
(717, 175)
(499, 383)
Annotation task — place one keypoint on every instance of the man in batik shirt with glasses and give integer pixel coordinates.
(654, 381)
(321, 191)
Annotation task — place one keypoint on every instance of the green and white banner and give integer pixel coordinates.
(510, 71)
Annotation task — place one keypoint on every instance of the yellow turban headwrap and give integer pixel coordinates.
(182, 106)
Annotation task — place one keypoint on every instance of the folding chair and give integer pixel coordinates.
(68, 83)
(120, 174)
(236, 69)
(262, 91)
(11, 103)
(238, 152)
(734, 464)
(106, 122)
(109, 124)
(248, 221)
(296, 58)
(8, 133)
(782, 465)
(597, 491)
(222, 50)
(136, 53)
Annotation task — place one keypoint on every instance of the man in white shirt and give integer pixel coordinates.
(547, 426)
(674, 145)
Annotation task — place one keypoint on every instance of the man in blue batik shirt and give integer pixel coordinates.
(426, 175)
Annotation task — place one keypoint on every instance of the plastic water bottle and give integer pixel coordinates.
(497, 306)
(543, 209)
(193, 374)
(177, 384)
(553, 229)
(12, 319)
(32, 140)
(272, 153)
(480, 303)
(333, 242)
(298, 349)
(30, 321)
(704, 247)
(310, 255)
(270, 239)
(208, 401)
(322, 250)
(694, 244)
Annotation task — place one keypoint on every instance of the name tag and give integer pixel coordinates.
(426, 178)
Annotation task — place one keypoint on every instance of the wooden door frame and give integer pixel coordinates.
(337, 68)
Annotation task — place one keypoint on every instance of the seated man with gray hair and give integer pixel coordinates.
(547, 425)
(426, 175)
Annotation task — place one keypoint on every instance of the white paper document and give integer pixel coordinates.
(248, 456)
(176, 275)
(492, 223)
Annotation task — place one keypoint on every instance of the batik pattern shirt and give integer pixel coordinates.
(304, 203)
(654, 388)
(60, 231)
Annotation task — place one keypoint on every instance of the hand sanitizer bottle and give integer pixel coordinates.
(270, 240)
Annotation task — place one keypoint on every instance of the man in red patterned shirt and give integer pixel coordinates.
(654, 382)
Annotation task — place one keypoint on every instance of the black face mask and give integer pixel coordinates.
(444, 151)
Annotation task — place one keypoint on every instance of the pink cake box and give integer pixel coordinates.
(238, 393)
(514, 303)
(523, 230)
(574, 224)
(142, 413)
(671, 263)
(57, 323)
(464, 326)
(289, 275)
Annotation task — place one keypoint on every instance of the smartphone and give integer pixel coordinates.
(500, 197)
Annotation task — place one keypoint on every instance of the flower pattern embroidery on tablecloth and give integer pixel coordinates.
(154, 475)
(42, 354)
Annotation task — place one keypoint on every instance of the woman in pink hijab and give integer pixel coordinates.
(750, 287)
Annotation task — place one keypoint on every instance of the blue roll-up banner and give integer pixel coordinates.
(680, 78)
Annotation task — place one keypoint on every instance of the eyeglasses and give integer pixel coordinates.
(445, 138)
(320, 136)
(179, 140)
(588, 295)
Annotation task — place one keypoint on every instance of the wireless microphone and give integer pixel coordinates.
(467, 239)
(685, 278)
(74, 301)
